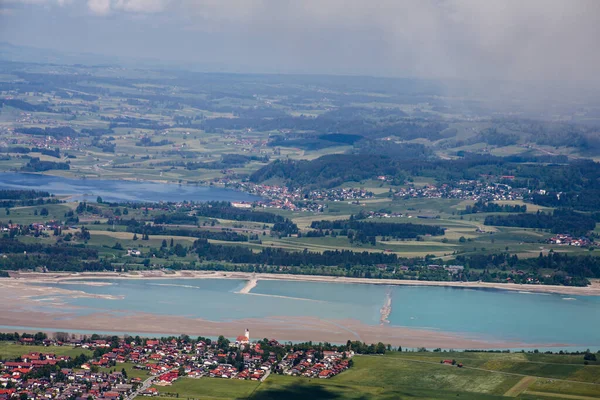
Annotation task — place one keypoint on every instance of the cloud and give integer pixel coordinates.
(141, 6)
(508, 39)
(99, 7)
(523, 40)
(105, 7)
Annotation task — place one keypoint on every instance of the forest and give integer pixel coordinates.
(369, 229)
(560, 221)
(12, 194)
(489, 207)
(146, 229)
(36, 165)
(53, 258)
(277, 256)
(224, 210)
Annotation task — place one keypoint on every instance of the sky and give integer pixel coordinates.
(518, 40)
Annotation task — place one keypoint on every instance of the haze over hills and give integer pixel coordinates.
(347, 179)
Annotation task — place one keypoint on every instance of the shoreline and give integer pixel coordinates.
(591, 290)
(21, 307)
(282, 328)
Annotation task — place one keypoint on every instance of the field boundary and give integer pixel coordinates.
(560, 395)
(520, 386)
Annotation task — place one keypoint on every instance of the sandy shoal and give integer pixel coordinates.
(591, 290)
(282, 328)
(20, 307)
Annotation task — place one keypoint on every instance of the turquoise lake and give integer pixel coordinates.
(120, 191)
(493, 314)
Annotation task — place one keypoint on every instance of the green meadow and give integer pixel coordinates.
(419, 375)
(10, 351)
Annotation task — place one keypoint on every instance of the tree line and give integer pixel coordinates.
(36, 165)
(145, 229)
(224, 210)
(489, 207)
(277, 256)
(560, 221)
(361, 231)
(12, 198)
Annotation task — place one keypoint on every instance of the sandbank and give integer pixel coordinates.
(591, 290)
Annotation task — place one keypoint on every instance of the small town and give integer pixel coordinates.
(465, 190)
(156, 363)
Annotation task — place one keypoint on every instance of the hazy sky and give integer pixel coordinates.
(551, 40)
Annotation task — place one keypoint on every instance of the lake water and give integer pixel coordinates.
(120, 191)
(494, 314)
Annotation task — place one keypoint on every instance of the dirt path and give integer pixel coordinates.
(520, 386)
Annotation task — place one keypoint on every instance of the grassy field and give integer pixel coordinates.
(420, 375)
(10, 351)
(131, 372)
(207, 388)
(462, 233)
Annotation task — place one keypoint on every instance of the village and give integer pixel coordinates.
(300, 200)
(465, 190)
(156, 362)
(568, 240)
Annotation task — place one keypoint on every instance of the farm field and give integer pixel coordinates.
(12, 351)
(420, 375)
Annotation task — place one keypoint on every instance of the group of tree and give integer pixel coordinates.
(37, 165)
(227, 161)
(58, 132)
(489, 207)
(141, 227)
(277, 256)
(38, 337)
(147, 141)
(58, 257)
(13, 198)
(560, 221)
(328, 171)
(26, 150)
(176, 219)
(362, 231)
(23, 105)
(224, 210)
(573, 270)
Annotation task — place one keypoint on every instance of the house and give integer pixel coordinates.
(150, 392)
(326, 373)
(134, 252)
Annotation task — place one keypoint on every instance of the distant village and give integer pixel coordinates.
(568, 240)
(466, 190)
(300, 200)
(45, 375)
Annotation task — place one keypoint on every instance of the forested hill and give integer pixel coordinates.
(329, 171)
(561, 221)
(575, 184)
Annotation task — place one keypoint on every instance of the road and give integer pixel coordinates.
(145, 385)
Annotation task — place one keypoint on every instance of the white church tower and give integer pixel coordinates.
(247, 334)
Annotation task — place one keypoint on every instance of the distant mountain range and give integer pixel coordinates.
(17, 53)
(29, 54)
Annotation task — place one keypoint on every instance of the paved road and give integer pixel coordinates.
(265, 376)
(145, 385)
